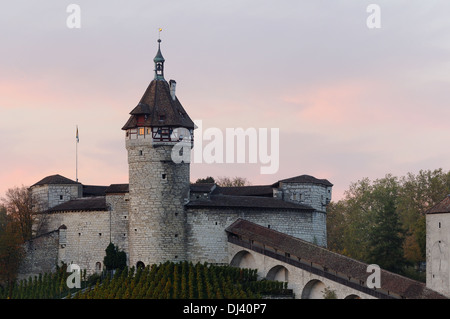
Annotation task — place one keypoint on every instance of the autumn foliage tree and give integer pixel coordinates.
(17, 202)
(11, 251)
(16, 221)
(386, 216)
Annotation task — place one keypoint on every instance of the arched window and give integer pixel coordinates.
(98, 266)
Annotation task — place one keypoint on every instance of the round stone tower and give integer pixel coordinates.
(158, 181)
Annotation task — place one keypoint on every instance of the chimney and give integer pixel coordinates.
(172, 85)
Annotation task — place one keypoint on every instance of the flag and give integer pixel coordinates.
(78, 138)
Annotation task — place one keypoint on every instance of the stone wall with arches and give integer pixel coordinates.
(304, 284)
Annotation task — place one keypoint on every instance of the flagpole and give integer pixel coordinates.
(76, 156)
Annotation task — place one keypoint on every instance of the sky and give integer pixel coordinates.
(350, 101)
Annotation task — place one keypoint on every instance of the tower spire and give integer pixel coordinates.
(159, 60)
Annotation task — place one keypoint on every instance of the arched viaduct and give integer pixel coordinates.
(310, 269)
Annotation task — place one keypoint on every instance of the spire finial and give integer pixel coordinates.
(159, 60)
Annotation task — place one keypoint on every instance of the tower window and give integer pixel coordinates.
(439, 224)
(61, 197)
(163, 176)
(140, 152)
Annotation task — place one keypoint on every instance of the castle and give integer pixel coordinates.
(159, 215)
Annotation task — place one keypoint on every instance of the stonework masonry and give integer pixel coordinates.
(208, 242)
(437, 252)
(317, 196)
(159, 188)
(50, 195)
(41, 255)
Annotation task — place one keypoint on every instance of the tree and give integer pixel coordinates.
(11, 250)
(386, 240)
(232, 182)
(18, 206)
(417, 194)
(114, 258)
(352, 220)
(336, 225)
(207, 180)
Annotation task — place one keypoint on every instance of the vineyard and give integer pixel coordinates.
(165, 281)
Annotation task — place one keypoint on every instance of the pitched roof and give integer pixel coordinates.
(202, 187)
(81, 204)
(159, 109)
(441, 207)
(252, 190)
(117, 189)
(228, 201)
(93, 190)
(55, 179)
(329, 260)
(305, 179)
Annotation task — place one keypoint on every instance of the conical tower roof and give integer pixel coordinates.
(159, 109)
(159, 105)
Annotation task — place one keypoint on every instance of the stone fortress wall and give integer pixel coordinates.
(82, 236)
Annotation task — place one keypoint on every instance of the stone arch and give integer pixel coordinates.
(278, 273)
(352, 296)
(314, 289)
(243, 259)
(98, 266)
(140, 264)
